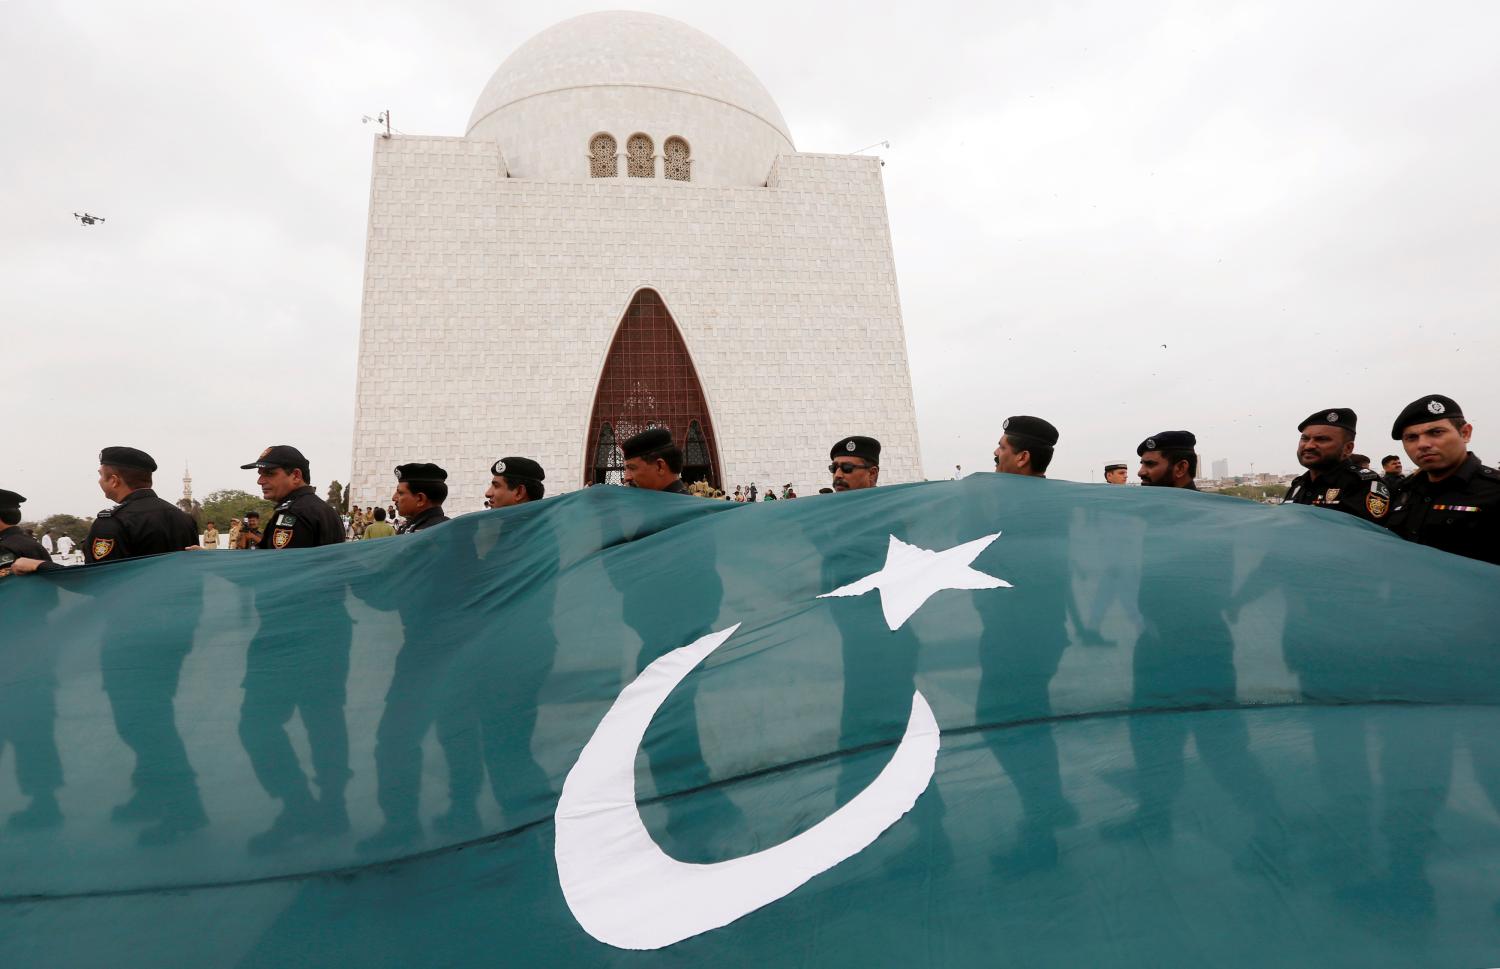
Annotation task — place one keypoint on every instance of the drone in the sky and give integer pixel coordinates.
(87, 219)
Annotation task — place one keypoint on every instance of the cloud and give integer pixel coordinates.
(1296, 199)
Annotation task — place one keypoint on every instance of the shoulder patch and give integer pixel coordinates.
(281, 537)
(1377, 487)
(101, 548)
(1377, 505)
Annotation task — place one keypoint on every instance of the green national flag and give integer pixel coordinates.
(995, 722)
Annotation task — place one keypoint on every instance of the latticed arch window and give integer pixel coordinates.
(649, 380)
(603, 160)
(640, 153)
(675, 162)
(697, 463)
(609, 460)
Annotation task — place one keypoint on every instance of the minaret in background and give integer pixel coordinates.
(187, 487)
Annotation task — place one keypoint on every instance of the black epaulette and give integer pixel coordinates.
(1488, 471)
(106, 513)
(284, 505)
(1366, 473)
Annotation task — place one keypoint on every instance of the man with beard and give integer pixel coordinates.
(1451, 501)
(1168, 460)
(1186, 639)
(1333, 479)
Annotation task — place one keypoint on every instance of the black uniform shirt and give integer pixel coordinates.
(1460, 514)
(1358, 491)
(428, 518)
(303, 520)
(1393, 481)
(141, 524)
(676, 488)
(17, 543)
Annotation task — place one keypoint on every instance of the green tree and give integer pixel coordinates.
(223, 507)
(336, 497)
(70, 525)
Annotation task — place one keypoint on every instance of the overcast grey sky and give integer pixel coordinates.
(1121, 217)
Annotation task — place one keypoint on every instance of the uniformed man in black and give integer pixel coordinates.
(140, 693)
(1333, 479)
(1451, 501)
(1168, 460)
(1185, 633)
(856, 463)
(421, 490)
(653, 462)
(514, 481)
(1012, 681)
(1392, 474)
(16, 542)
(1025, 446)
(301, 519)
(29, 713)
(140, 523)
(508, 723)
(313, 686)
(413, 702)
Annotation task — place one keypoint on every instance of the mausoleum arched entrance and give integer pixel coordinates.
(649, 380)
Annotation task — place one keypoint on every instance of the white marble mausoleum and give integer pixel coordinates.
(626, 236)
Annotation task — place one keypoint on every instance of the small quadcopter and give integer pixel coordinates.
(87, 219)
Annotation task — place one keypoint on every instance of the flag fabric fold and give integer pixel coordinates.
(1165, 729)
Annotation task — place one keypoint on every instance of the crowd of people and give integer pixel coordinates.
(1450, 502)
(1441, 503)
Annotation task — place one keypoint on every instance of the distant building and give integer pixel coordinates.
(625, 236)
(1221, 469)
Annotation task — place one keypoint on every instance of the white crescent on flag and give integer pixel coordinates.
(625, 891)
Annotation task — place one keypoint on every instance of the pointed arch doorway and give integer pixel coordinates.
(649, 380)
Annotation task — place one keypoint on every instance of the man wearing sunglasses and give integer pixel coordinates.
(856, 463)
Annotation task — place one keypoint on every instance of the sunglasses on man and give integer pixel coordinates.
(846, 467)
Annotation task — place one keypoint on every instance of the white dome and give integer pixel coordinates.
(622, 73)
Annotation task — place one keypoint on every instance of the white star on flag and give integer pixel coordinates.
(911, 575)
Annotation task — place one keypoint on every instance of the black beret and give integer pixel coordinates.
(651, 439)
(1034, 428)
(1168, 441)
(278, 456)
(857, 447)
(1332, 417)
(427, 473)
(127, 457)
(518, 468)
(1114, 467)
(10, 501)
(1425, 410)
